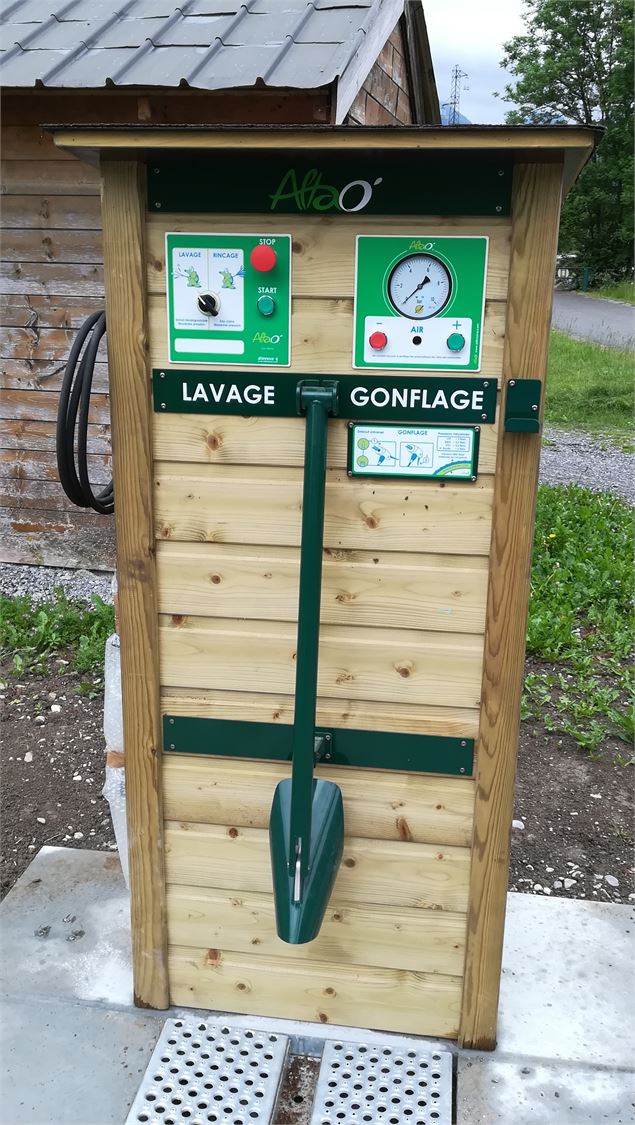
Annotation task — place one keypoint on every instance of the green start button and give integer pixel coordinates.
(455, 341)
(266, 305)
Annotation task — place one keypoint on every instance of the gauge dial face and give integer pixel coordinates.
(419, 286)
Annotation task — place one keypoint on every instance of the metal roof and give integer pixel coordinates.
(203, 44)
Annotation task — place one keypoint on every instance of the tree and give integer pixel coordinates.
(575, 64)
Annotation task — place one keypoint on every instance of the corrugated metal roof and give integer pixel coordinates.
(205, 44)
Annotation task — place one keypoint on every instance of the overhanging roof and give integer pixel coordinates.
(200, 44)
(571, 144)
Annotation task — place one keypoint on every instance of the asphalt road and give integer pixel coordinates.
(590, 318)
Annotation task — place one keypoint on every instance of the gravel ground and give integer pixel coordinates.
(571, 457)
(40, 582)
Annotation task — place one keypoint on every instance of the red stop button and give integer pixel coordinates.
(378, 340)
(263, 258)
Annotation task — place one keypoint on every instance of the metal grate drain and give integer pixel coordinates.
(360, 1084)
(210, 1072)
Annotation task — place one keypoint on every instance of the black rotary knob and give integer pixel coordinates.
(208, 303)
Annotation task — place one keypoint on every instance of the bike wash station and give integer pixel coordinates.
(326, 349)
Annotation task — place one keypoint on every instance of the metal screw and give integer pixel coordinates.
(172, 746)
(171, 722)
(473, 478)
(462, 770)
(161, 374)
(156, 172)
(163, 406)
(484, 417)
(158, 206)
(499, 208)
(534, 407)
(512, 382)
(348, 473)
(327, 757)
(486, 383)
(501, 171)
(463, 742)
(477, 429)
(350, 425)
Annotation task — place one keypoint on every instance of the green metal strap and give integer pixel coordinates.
(362, 749)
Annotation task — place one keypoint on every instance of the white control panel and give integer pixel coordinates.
(389, 339)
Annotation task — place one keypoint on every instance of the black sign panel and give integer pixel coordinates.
(418, 182)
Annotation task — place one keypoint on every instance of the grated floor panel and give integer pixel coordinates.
(360, 1084)
(202, 1073)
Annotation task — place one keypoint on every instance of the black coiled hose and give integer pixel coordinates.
(72, 419)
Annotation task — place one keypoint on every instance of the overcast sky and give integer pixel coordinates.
(471, 33)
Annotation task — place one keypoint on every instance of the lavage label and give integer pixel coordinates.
(250, 395)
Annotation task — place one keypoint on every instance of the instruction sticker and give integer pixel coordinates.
(413, 451)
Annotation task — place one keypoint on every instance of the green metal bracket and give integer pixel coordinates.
(522, 406)
(333, 746)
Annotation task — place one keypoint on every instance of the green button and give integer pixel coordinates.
(266, 305)
(455, 342)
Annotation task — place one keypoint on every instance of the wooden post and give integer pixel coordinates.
(535, 216)
(123, 212)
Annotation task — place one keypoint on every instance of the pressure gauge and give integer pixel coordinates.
(419, 286)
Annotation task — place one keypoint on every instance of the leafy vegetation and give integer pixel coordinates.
(575, 64)
(619, 291)
(589, 387)
(31, 633)
(581, 615)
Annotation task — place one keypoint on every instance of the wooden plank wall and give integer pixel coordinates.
(51, 279)
(403, 619)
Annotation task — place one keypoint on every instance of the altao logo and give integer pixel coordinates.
(312, 194)
(264, 338)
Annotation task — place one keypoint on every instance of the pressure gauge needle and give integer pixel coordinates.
(419, 286)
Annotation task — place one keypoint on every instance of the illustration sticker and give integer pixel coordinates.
(413, 451)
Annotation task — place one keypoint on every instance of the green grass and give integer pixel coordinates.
(590, 387)
(581, 615)
(618, 291)
(32, 633)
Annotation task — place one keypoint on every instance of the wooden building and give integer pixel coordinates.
(363, 62)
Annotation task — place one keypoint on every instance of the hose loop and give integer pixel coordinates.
(72, 419)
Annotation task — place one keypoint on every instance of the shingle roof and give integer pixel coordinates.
(204, 44)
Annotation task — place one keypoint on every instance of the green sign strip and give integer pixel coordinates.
(415, 399)
(226, 738)
(316, 182)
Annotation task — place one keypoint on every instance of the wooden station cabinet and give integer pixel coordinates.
(411, 272)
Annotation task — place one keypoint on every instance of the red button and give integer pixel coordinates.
(263, 258)
(378, 340)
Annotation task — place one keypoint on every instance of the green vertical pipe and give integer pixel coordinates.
(318, 401)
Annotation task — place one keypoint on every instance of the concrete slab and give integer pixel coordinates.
(530, 1093)
(568, 983)
(66, 929)
(71, 1064)
(74, 1048)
